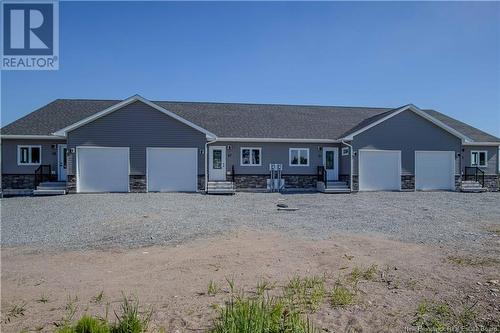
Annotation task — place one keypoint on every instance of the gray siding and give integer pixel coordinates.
(137, 126)
(9, 155)
(275, 153)
(407, 132)
(491, 168)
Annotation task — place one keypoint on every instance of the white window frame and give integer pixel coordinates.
(345, 151)
(30, 147)
(290, 157)
(478, 159)
(251, 148)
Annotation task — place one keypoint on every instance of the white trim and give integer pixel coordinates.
(38, 137)
(29, 154)
(416, 110)
(171, 148)
(452, 176)
(250, 148)
(77, 171)
(383, 150)
(290, 157)
(481, 144)
(277, 140)
(63, 132)
(478, 159)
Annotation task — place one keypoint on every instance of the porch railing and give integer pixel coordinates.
(474, 173)
(322, 175)
(43, 173)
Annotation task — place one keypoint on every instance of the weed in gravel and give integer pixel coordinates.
(441, 317)
(130, 320)
(86, 324)
(305, 294)
(471, 261)
(260, 315)
(43, 299)
(98, 298)
(15, 311)
(230, 282)
(213, 288)
(262, 287)
(341, 296)
(358, 274)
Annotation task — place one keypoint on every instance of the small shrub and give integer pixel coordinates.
(213, 288)
(341, 296)
(261, 315)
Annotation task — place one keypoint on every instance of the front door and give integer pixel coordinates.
(61, 162)
(330, 162)
(217, 163)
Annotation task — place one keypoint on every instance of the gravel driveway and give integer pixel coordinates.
(127, 220)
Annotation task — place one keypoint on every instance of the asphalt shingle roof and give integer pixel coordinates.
(234, 119)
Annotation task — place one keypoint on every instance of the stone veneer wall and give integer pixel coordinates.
(137, 183)
(407, 182)
(10, 181)
(251, 181)
(201, 182)
(71, 184)
(259, 182)
(300, 181)
(491, 182)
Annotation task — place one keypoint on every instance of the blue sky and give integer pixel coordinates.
(437, 55)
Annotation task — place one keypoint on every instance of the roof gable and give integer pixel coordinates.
(118, 106)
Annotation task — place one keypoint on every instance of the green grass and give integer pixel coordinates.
(86, 324)
(262, 287)
(358, 274)
(436, 317)
(341, 296)
(259, 315)
(305, 294)
(213, 288)
(472, 261)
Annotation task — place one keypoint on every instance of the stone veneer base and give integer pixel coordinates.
(11, 181)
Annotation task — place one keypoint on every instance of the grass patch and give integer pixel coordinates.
(305, 294)
(262, 287)
(86, 324)
(260, 315)
(213, 288)
(440, 317)
(472, 261)
(358, 274)
(98, 298)
(341, 296)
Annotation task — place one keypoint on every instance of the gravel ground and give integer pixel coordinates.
(130, 220)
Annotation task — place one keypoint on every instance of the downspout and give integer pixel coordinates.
(350, 164)
(206, 162)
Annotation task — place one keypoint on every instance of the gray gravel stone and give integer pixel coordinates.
(131, 220)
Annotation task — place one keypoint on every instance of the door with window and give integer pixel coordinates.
(62, 152)
(217, 163)
(330, 162)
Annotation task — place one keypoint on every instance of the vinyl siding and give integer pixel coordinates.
(407, 132)
(137, 126)
(491, 168)
(9, 155)
(275, 153)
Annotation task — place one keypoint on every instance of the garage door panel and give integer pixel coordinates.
(379, 170)
(434, 170)
(102, 169)
(172, 169)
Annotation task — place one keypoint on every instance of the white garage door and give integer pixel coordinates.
(379, 170)
(172, 169)
(434, 170)
(102, 169)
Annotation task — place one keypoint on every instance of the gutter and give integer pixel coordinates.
(206, 162)
(350, 164)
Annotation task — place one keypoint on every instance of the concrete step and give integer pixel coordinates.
(49, 192)
(220, 191)
(473, 190)
(336, 183)
(55, 184)
(40, 187)
(337, 190)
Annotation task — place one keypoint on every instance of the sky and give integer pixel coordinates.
(439, 55)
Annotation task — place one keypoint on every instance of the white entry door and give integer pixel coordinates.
(330, 162)
(217, 163)
(61, 162)
(379, 170)
(434, 170)
(172, 169)
(102, 169)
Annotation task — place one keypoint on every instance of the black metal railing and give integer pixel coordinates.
(322, 175)
(43, 173)
(474, 173)
(232, 173)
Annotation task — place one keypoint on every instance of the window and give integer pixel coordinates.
(250, 156)
(345, 151)
(29, 155)
(479, 158)
(299, 156)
